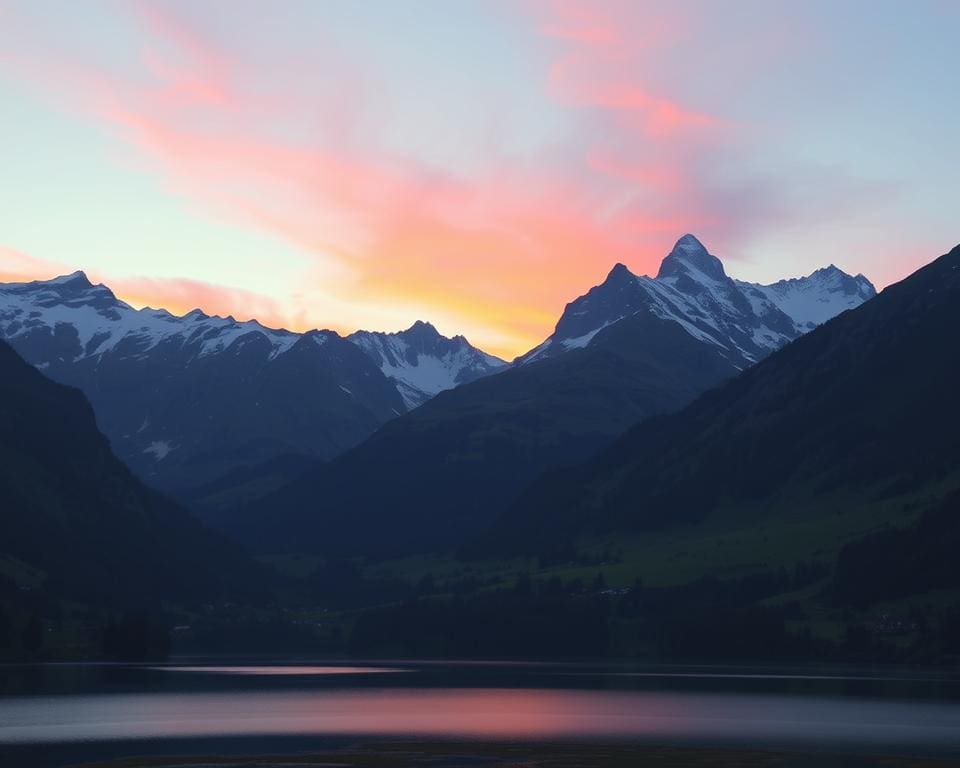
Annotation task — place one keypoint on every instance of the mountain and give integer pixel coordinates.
(75, 514)
(187, 400)
(423, 363)
(745, 321)
(855, 424)
(812, 300)
(446, 469)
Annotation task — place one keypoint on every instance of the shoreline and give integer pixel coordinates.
(452, 754)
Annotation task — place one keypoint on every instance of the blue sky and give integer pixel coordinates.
(477, 164)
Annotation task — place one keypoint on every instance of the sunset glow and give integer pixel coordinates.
(475, 164)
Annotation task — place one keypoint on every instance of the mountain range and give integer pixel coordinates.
(186, 400)
(631, 348)
(739, 470)
(249, 424)
(744, 321)
(853, 427)
(422, 363)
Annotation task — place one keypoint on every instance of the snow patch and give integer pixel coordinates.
(579, 342)
(159, 449)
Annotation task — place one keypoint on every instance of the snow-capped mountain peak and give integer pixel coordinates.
(620, 273)
(422, 362)
(814, 299)
(690, 257)
(185, 399)
(79, 277)
(744, 321)
(77, 320)
(421, 334)
(86, 320)
(74, 289)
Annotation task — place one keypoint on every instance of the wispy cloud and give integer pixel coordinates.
(283, 144)
(17, 266)
(181, 295)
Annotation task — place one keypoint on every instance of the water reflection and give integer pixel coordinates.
(781, 720)
(278, 671)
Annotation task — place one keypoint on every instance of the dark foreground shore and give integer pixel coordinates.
(499, 755)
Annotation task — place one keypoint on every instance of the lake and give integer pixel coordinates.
(61, 714)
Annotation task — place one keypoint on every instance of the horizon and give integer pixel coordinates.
(179, 312)
(336, 166)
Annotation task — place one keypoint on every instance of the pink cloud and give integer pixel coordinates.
(525, 234)
(17, 266)
(658, 117)
(177, 295)
(181, 295)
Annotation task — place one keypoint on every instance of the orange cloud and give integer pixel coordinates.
(181, 295)
(17, 266)
(660, 116)
(613, 28)
(497, 251)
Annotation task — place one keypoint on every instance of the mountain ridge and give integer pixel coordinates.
(868, 400)
(447, 468)
(423, 362)
(187, 399)
(747, 320)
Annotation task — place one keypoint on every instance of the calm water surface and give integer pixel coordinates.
(48, 711)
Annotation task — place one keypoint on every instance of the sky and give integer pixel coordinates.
(474, 163)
